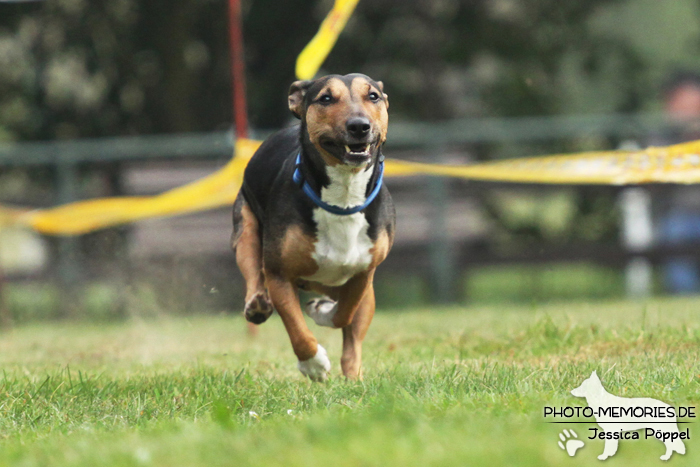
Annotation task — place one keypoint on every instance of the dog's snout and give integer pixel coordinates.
(358, 127)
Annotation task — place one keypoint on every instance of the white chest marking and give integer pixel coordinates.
(342, 247)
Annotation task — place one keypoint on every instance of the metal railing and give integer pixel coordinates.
(402, 134)
(434, 138)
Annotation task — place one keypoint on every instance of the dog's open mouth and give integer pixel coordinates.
(353, 154)
(358, 154)
(357, 150)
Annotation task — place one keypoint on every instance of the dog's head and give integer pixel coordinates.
(590, 387)
(345, 117)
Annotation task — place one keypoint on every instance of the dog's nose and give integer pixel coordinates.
(358, 127)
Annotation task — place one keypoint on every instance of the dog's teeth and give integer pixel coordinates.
(364, 151)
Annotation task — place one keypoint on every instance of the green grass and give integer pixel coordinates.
(483, 285)
(542, 283)
(443, 386)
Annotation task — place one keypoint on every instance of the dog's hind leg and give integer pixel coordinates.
(676, 445)
(323, 309)
(246, 242)
(354, 334)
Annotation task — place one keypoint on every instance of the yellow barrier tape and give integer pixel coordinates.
(672, 164)
(217, 189)
(316, 51)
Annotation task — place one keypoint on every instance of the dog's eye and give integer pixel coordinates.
(373, 96)
(325, 99)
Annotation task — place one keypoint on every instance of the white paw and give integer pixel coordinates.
(322, 311)
(317, 367)
(569, 443)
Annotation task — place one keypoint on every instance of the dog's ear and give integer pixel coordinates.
(381, 88)
(297, 91)
(594, 375)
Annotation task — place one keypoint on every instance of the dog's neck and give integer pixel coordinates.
(347, 188)
(338, 185)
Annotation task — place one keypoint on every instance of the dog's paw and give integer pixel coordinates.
(322, 311)
(317, 367)
(258, 308)
(569, 443)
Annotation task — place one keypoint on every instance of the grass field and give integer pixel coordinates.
(443, 387)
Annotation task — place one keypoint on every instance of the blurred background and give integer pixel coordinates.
(131, 97)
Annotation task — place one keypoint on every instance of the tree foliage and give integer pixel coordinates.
(78, 68)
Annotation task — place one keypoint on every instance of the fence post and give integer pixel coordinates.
(442, 279)
(637, 237)
(5, 316)
(68, 260)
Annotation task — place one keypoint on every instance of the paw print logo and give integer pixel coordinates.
(569, 443)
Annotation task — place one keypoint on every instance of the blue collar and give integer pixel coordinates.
(299, 180)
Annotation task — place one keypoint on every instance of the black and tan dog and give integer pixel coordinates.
(313, 214)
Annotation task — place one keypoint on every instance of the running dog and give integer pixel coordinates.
(313, 214)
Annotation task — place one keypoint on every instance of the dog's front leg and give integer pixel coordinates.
(246, 245)
(354, 334)
(313, 360)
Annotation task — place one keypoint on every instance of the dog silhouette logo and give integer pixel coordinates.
(621, 417)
